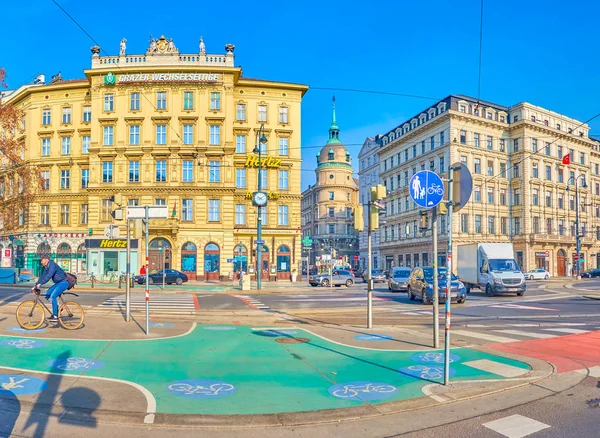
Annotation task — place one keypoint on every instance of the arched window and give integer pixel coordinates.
(240, 258)
(330, 155)
(63, 250)
(283, 259)
(347, 157)
(189, 257)
(43, 249)
(211, 261)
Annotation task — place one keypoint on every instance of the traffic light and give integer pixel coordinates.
(377, 192)
(167, 254)
(117, 199)
(423, 221)
(137, 228)
(374, 217)
(117, 214)
(90, 231)
(442, 208)
(359, 218)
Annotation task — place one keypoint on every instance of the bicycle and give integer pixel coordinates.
(31, 314)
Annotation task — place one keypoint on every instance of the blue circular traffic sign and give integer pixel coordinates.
(426, 189)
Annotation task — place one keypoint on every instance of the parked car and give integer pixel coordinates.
(537, 274)
(591, 273)
(420, 284)
(398, 280)
(377, 276)
(337, 279)
(156, 276)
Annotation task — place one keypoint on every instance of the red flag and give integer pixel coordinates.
(567, 159)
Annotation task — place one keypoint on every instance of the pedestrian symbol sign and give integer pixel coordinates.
(426, 189)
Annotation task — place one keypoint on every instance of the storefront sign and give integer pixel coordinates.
(111, 79)
(268, 162)
(110, 244)
(542, 254)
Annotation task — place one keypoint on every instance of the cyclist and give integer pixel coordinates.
(52, 272)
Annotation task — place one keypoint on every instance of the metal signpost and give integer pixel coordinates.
(128, 276)
(147, 212)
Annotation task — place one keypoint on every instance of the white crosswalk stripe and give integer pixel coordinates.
(180, 303)
(516, 426)
(527, 334)
(253, 302)
(567, 330)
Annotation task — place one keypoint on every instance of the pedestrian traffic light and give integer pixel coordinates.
(137, 228)
(377, 192)
(442, 208)
(359, 218)
(90, 231)
(374, 217)
(423, 220)
(117, 199)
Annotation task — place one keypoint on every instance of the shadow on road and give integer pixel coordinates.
(10, 408)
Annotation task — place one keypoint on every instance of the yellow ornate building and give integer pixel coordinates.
(162, 128)
(328, 205)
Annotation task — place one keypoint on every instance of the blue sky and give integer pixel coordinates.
(543, 52)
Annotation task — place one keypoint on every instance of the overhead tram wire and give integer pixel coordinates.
(388, 93)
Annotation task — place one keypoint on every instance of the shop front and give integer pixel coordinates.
(542, 260)
(107, 258)
(189, 260)
(240, 260)
(283, 262)
(212, 262)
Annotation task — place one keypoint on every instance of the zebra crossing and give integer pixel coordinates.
(520, 332)
(253, 302)
(167, 303)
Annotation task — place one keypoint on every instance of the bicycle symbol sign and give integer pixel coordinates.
(426, 372)
(201, 388)
(426, 189)
(363, 391)
(433, 357)
(75, 364)
(20, 384)
(23, 344)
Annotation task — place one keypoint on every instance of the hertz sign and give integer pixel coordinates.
(110, 244)
(268, 162)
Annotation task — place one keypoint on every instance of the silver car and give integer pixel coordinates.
(337, 279)
(398, 279)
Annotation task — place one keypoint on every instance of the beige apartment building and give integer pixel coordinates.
(327, 206)
(162, 127)
(522, 191)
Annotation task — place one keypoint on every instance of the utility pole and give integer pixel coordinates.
(369, 267)
(128, 276)
(448, 280)
(436, 296)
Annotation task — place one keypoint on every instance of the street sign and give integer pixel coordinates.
(462, 186)
(112, 231)
(355, 258)
(154, 212)
(426, 189)
(259, 242)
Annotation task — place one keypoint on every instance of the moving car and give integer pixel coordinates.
(377, 276)
(156, 277)
(337, 278)
(537, 274)
(420, 284)
(591, 273)
(398, 280)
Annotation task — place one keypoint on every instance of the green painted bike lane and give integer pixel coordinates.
(240, 370)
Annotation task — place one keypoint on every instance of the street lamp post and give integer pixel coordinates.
(577, 235)
(257, 150)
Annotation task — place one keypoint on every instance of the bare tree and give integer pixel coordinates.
(19, 181)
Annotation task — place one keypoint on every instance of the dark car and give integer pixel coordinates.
(591, 273)
(156, 277)
(420, 284)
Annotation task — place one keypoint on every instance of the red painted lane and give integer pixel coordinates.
(196, 303)
(567, 353)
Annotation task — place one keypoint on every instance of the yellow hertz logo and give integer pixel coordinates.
(113, 243)
(252, 161)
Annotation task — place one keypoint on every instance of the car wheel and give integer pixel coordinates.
(325, 283)
(488, 291)
(520, 294)
(179, 281)
(349, 283)
(150, 280)
(461, 300)
(424, 299)
(547, 277)
(410, 294)
(314, 285)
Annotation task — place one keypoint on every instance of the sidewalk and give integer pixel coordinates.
(228, 374)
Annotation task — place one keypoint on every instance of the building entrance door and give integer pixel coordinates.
(561, 263)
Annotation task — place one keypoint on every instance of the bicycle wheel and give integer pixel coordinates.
(30, 315)
(70, 315)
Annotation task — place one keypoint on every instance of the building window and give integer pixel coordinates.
(547, 149)
(331, 196)
(134, 171)
(240, 112)
(240, 178)
(561, 227)
(331, 228)
(559, 151)
(161, 134)
(490, 168)
(187, 210)
(134, 101)
(561, 201)
(517, 225)
(240, 214)
(284, 146)
(283, 114)
(464, 223)
(83, 214)
(516, 145)
(188, 100)
(442, 165)
(109, 132)
(491, 224)
(534, 170)
(504, 225)
(214, 210)
(134, 135)
(331, 212)
(549, 225)
(548, 199)
(534, 147)
(240, 144)
(477, 194)
(44, 215)
(423, 147)
(188, 134)
(442, 141)
(45, 174)
(263, 176)
(214, 174)
(66, 145)
(160, 201)
(46, 117)
(477, 166)
(215, 134)
(109, 102)
(516, 197)
(490, 142)
(516, 171)
(87, 114)
(431, 168)
(534, 197)
(64, 214)
(283, 180)
(463, 137)
(187, 171)
(548, 173)
(65, 179)
(536, 225)
(476, 140)
(490, 196)
(571, 202)
(107, 172)
(581, 157)
(282, 215)
(161, 171)
(215, 100)
(106, 209)
(502, 145)
(161, 100)
(85, 178)
(85, 144)
(66, 115)
(262, 113)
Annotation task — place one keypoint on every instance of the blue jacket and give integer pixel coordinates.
(52, 272)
